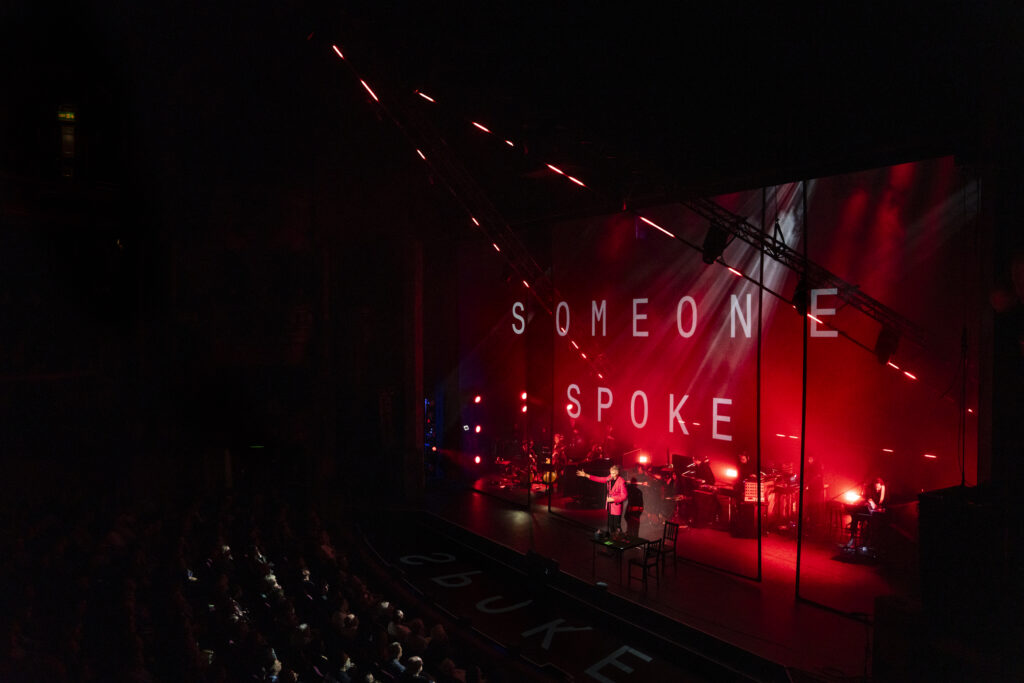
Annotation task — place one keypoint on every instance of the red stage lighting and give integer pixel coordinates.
(509, 143)
(477, 429)
(731, 472)
(851, 496)
(887, 450)
(576, 180)
(643, 459)
(425, 96)
(735, 272)
(422, 155)
(930, 455)
(370, 90)
(433, 448)
(496, 247)
(568, 407)
(655, 226)
(477, 398)
(526, 284)
(524, 409)
(477, 460)
(481, 127)
(911, 376)
(556, 169)
(475, 221)
(337, 51)
(523, 395)
(893, 365)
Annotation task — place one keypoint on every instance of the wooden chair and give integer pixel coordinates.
(649, 559)
(669, 535)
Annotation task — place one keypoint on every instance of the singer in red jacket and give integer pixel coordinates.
(616, 495)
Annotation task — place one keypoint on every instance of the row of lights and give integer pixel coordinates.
(715, 256)
(576, 181)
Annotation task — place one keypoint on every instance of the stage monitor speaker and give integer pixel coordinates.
(540, 567)
(744, 523)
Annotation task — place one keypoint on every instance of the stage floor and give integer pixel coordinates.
(830, 640)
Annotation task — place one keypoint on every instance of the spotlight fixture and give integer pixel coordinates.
(886, 344)
(799, 299)
(715, 242)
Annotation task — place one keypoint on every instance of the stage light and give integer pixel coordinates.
(475, 221)
(583, 355)
(509, 143)
(715, 242)
(731, 472)
(910, 375)
(893, 365)
(734, 271)
(477, 429)
(817, 320)
(465, 428)
(481, 127)
(495, 247)
(655, 226)
(575, 345)
(643, 459)
(971, 411)
(851, 496)
(799, 299)
(477, 398)
(425, 96)
(434, 448)
(523, 395)
(887, 450)
(370, 90)
(524, 409)
(526, 284)
(337, 51)
(568, 407)
(886, 344)
(422, 155)
(931, 456)
(555, 169)
(477, 460)
(783, 436)
(695, 424)
(576, 180)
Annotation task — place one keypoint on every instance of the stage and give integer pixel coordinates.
(826, 634)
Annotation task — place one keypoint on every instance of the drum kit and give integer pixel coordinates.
(527, 468)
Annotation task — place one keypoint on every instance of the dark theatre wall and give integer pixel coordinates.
(901, 234)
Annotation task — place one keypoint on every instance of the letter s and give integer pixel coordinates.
(517, 309)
